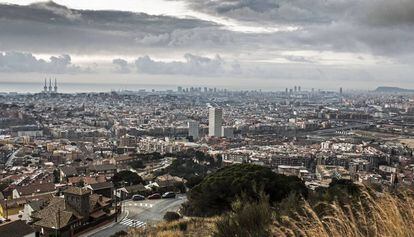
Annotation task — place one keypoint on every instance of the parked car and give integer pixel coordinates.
(154, 196)
(138, 197)
(168, 195)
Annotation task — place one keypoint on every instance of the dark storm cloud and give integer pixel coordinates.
(11, 62)
(121, 66)
(48, 27)
(380, 27)
(311, 11)
(372, 27)
(193, 65)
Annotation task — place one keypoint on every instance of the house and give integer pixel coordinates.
(86, 180)
(67, 172)
(76, 211)
(15, 206)
(105, 189)
(33, 190)
(17, 229)
(124, 159)
(168, 180)
(106, 169)
(136, 189)
(30, 208)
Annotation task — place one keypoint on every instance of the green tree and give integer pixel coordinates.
(139, 164)
(215, 194)
(56, 176)
(126, 176)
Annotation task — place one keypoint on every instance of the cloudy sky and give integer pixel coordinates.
(261, 44)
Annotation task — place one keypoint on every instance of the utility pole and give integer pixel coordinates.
(116, 205)
(58, 223)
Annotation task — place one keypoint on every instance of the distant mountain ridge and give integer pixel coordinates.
(388, 89)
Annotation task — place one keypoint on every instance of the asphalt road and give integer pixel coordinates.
(139, 214)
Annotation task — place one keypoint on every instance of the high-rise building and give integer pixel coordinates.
(193, 128)
(180, 89)
(215, 120)
(227, 132)
(340, 91)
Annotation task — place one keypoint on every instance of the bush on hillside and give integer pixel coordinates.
(217, 191)
(171, 216)
(246, 218)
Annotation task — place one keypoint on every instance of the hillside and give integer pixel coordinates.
(381, 214)
(342, 209)
(387, 89)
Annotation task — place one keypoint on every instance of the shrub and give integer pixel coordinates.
(217, 191)
(119, 234)
(171, 216)
(246, 219)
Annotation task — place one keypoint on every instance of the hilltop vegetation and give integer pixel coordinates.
(252, 201)
(215, 194)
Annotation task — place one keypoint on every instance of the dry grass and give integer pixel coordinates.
(181, 228)
(408, 142)
(369, 216)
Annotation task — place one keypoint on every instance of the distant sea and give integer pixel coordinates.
(6, 87)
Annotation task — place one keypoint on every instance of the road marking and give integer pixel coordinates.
(140, 204)
(133, 223)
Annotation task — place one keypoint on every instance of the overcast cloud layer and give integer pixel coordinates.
(355, 38)
(26, 62)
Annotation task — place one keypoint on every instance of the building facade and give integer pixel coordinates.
(215, 120)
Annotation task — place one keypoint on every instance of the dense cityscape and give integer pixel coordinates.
(206, 118)
(96, 151)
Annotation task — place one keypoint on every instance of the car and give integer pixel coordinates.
(154, 196)
(138, 197)
(168, 195)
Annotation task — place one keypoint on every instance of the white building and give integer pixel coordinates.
(193, 128)
(215, 120)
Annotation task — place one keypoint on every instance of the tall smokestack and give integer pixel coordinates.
(45, 87)
(50, 84)
(56, 88)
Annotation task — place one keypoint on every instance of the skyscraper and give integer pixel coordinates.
(193, 129)
(215, 120)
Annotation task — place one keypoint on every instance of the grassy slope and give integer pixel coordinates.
(371, 215)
